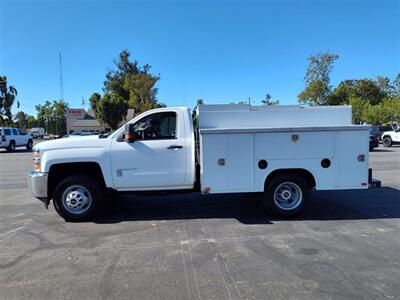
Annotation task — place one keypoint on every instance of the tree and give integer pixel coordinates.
(391, 108)
(368, 90)
(340, 94)
(315, 93)
(52, 116)
(59, 117)
(111, 109)
(396, 85)
(7, 97)
(31, 122)
(132, 83)
(128, 86)
(317, 80)
(358, 105)
(386, 86)
(268, 101)
(373, 114)
(94, 101)
(21, 119)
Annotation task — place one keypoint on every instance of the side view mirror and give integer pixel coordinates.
(129, 133)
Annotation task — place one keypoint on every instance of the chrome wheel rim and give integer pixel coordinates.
(76, 199)
(288, 196)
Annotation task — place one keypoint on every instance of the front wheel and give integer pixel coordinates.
(29, 145)
(286, 195)
(11, 146)
(387, 141)
(78, 198)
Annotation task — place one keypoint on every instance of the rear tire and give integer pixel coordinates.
(11, 146)
(286, 195)
(29, 145)
(78, 198)
(387, 141)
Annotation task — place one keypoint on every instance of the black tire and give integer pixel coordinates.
(87, 183)
(11, 146)
(29, 145)
(279, 182)
(387, 141)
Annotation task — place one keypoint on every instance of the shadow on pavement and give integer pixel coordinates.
(381, 150)
(379, 203)
(17, 150)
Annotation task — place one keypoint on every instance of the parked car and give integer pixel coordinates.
(233, 149)
(37, 132)
(390, 138)
(373, 141)
(380, 129)
(14, 137)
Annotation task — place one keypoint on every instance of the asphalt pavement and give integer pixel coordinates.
(347, 245)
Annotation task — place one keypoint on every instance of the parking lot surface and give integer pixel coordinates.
(347, 245)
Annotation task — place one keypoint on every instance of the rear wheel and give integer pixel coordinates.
(11, 147)
(387, 141)
(286, 195)
(29, 145)
(78, 198)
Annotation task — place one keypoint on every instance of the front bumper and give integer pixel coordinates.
(37, 182)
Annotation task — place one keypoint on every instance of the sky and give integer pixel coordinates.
(220, 51)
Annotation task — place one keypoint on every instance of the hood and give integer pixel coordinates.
(73, 142)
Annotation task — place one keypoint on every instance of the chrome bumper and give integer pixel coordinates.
(37, 182)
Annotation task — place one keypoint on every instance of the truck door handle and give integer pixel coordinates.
(174, 147)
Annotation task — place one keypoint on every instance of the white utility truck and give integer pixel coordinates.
(280, 151)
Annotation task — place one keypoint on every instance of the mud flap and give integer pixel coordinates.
(372, 182)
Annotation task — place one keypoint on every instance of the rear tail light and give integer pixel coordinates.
(3, 138)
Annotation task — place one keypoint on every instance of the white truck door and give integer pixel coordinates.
(156, 159)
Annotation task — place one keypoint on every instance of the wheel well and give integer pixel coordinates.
(58, 172)
(305, 174)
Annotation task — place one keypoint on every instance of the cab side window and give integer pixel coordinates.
(7, 131)
(156, 127)
(14, 131)
(20, 132)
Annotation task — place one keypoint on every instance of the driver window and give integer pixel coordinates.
(156, 127)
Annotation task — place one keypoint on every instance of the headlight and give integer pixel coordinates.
(36, 160)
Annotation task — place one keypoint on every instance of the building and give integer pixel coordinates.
(79, 119)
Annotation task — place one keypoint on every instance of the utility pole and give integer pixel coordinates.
(61, 80)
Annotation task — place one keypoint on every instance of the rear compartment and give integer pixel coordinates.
(240, 159)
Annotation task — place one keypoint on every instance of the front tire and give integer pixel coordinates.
(11, 146)
(387, 141)
(286, 195)
(29, 145)
(78, 198)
